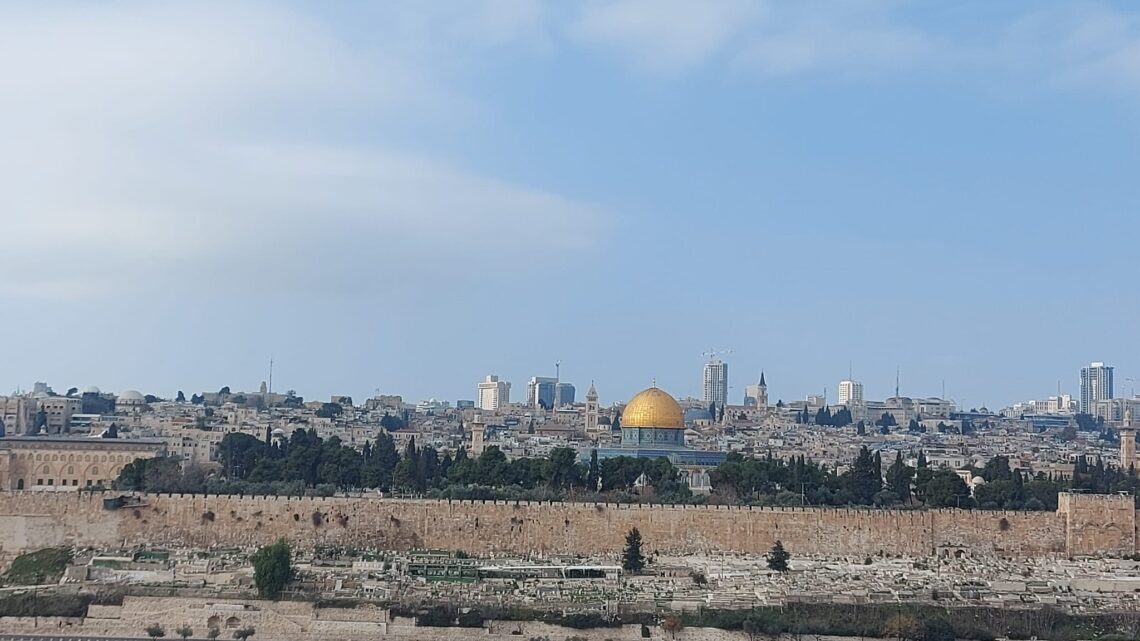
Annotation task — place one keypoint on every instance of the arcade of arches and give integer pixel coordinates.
(68, 463)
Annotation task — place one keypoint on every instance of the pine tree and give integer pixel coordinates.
(593, 480)
(272, 568)
(899, 476)
(632, 560)
(778, 558)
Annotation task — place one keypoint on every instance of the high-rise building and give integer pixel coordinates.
(493, 393)
(540, 391)
(756, 395)
(563, 394)
(716, 382)
(1096, 385)
(850, 393)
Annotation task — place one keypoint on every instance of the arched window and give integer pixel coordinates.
(20, 484)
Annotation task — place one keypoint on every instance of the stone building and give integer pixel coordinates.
(59, 410)
(653, 426)
(60, 463)
(17, 413)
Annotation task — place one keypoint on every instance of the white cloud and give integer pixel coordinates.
(666, 36)
(156, 143)
(1052, 45)
(851, 38)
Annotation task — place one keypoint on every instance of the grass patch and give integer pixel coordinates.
(39, 567)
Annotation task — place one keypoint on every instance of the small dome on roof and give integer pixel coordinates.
(90, 389)
(694, 414)
(977, 480)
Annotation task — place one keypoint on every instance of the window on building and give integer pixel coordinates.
(20, 484)
(39, 481)
(51, 481)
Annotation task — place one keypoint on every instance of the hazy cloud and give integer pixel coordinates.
(665, 36)
(150, 143)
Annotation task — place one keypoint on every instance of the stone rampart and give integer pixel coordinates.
(1083, 525)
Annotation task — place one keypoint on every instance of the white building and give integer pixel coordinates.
(716, 382)
(851, 393)
(1096, 385)
(493, 394)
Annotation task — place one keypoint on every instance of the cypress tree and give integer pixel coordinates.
(778, 558)
(632, 560)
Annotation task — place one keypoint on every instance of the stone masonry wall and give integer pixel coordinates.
(1083, 525)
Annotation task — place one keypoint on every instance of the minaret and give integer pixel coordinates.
(1127, 442)
(592, 412)
(477, 436)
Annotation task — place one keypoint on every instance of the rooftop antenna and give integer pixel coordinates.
(271, 373)
(896, 381)
(850, 375)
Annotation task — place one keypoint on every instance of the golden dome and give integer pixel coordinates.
(653, 408)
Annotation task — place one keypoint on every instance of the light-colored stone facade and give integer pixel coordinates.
(1085, 525)
(68, 463)
(297, 621)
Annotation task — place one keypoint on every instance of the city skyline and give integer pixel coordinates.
(834, 393)
(382, 196)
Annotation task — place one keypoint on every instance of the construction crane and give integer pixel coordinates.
(713, 353)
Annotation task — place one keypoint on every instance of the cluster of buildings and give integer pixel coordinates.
(83, 437)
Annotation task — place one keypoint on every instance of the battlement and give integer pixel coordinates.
(1082, 525)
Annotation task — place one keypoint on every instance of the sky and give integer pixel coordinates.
(408, 196)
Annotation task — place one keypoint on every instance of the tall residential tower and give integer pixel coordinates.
(493, 394)
(850, 393)
(1096, 385)
(716, 382)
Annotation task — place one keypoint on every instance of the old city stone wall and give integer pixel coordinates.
(1083, 525)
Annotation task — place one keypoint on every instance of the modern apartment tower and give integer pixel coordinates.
(540, 391)
(716, 382)
(563, 394)
(493, 394)
(851, 393)
(1096, 385)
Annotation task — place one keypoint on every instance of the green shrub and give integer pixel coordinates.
(39, 567)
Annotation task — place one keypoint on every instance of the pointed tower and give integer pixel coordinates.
(592, 412)
(1127, 441)
(477, 432)
(762, 397)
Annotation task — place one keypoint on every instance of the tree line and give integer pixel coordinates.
(307, 464)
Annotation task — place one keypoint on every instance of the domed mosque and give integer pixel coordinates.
(653, 426)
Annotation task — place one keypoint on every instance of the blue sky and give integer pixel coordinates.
(408, 196)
